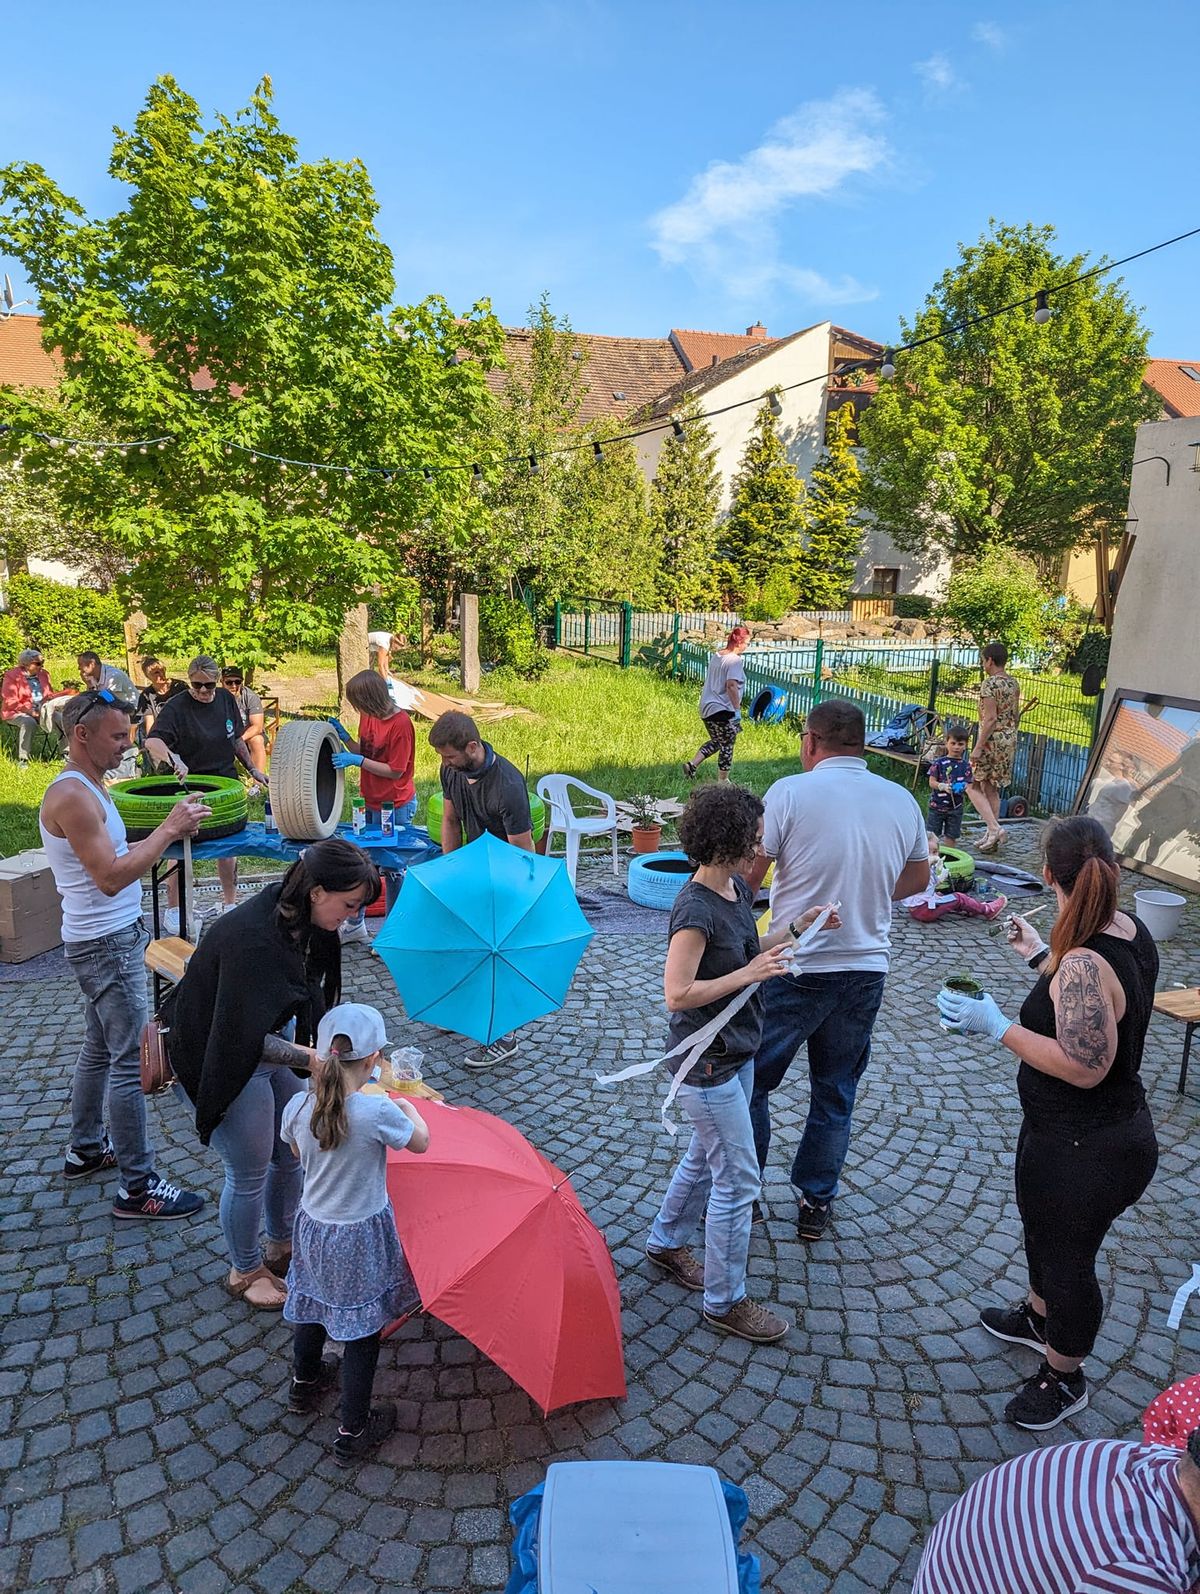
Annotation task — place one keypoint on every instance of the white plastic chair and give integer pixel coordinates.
(560, 815)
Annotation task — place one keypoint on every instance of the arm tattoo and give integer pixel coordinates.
(1082, 1013)
(277, 1050)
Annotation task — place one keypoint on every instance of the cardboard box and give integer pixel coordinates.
(30, 907)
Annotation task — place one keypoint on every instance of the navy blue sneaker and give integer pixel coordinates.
(158, 1200)
(306, 1395)
(80, 1166)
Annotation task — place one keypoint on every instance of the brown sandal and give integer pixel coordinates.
(242, 1288)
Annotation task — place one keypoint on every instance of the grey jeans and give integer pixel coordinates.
(111, 973)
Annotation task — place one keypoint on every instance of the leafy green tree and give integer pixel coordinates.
(606, 516)
(1009, 431)
(240, 298)
(998, 596)
(761, 537)
(684, 501)
(834, 529)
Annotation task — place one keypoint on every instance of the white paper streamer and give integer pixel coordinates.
(693, 1046)
(1190, 1287)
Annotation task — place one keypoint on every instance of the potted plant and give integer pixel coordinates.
(647, 824)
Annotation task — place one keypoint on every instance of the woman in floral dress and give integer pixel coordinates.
(996, 743)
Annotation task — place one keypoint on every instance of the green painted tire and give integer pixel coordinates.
(145, 802)
(960, 866)
(433, 815)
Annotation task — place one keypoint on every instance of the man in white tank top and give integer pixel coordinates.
(98, 878)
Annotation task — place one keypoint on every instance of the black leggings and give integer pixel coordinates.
(1069, 1193)
(722, 733)
(358, 1370)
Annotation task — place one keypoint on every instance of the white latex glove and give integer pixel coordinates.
(972, 1015)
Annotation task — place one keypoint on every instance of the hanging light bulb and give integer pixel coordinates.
(227, 450)
(312, 470)
(162, 445)
(887, 368)
(1042, 312)
(283, 464)
(428, 475)
(55, 442)
(677, 426)
(143, 449)
(476, 478)
(534, 467)
(253, 457)
(73, 449)
(597, 451)
(776, 405)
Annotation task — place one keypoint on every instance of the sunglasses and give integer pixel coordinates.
(232, 680)
(203, 686)
(101, 698)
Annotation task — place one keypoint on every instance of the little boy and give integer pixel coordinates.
(949, 778)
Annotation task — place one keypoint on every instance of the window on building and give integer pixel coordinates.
(885, 581)
(1190, 370)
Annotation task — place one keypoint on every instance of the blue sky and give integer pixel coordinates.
(663, 164)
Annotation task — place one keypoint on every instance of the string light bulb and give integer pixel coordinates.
(476, 478)
(143, 449)
(887, 368)
(534, 467)
(597, 451)
(1042, 312)
(776, 405)
(677, 426)
(162, 445)
(428, 475)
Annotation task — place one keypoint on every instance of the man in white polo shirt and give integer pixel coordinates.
(836, 833)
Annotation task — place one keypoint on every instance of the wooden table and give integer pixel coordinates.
(1184, 1007)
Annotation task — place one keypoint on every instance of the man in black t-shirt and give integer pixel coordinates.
(480, 791)
(201, 734)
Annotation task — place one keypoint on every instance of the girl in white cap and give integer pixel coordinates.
(348, 1277)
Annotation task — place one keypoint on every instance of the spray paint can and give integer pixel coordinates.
(269, 824)
(387, 819)
(358, 815)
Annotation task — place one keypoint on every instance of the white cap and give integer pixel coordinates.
(362, 1025)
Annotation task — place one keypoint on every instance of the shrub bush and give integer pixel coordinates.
(775, 598)
(913, 606)
(12, 641)
(61, 619)
(507, 636)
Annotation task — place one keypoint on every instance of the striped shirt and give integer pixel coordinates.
(1097, 1517)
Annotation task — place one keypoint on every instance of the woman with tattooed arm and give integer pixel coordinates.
(1087, 1149)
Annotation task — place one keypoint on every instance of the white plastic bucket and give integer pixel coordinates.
(1160, 912)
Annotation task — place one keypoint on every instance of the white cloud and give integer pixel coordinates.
(937, 74)
(725, 224)
(989, 35)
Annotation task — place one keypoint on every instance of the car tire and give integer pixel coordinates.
(656, 878)
(144, 802)
(306, 790)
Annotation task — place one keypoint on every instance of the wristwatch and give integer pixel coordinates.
(792, 930)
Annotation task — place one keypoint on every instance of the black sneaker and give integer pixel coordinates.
(1047, 1399)
(812, 1220)
(1017, 1325)
(158, 1200)
(498, 1052)
(758, 1213)
(351, 1447)
(305, 1396)
(79, 1166)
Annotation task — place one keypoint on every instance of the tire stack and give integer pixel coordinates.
(145, 802)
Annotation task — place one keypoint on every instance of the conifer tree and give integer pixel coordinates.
(831, 518)
(683, 506)
(762, 534)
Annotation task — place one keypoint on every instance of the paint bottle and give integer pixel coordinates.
(269, 824)
(358, 815)
(387, 819)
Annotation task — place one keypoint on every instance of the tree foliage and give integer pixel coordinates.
(240, 297)
(833, 527)
(684, 502)
(1009, 431)
(606, 515)
(998, 596)
(761, 537)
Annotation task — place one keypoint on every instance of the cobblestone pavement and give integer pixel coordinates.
(146, 1444)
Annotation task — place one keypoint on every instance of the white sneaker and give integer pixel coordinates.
(354, 932)
(170, 921)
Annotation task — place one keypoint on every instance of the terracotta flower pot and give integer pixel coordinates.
(647, 840)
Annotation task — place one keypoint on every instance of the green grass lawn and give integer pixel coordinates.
(623, 731)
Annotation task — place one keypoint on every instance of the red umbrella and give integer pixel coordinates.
(502, 1251)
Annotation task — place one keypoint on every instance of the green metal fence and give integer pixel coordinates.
(603, 629)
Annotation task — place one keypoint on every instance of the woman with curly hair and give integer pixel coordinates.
(713, 952)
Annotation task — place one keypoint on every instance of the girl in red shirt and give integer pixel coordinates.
(384, 752)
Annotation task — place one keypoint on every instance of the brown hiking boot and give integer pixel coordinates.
(682, 1262)
(751, 1320)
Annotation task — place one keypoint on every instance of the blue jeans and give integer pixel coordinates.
(111, 973)
(262, 1173)
(835, 1014)
(391, 880)
(718, 1170)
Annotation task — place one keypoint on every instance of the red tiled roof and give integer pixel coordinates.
(619, 374)
(1179, 392)
(23, 360)
(699, 350)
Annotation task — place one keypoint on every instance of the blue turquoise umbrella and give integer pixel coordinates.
(484, 939)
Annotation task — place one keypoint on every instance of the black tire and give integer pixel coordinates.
(306, 790)
(144, 802)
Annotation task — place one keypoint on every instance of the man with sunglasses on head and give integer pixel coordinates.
(201, 733)
(98, 877)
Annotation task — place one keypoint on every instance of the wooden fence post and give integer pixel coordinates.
(468, 628)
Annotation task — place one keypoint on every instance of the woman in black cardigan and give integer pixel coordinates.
(271, 966)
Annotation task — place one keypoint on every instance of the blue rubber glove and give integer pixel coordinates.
(347, 760)
(341, 730)
(969, 1015)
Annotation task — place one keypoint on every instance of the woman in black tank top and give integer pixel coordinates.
(1087, 1148)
